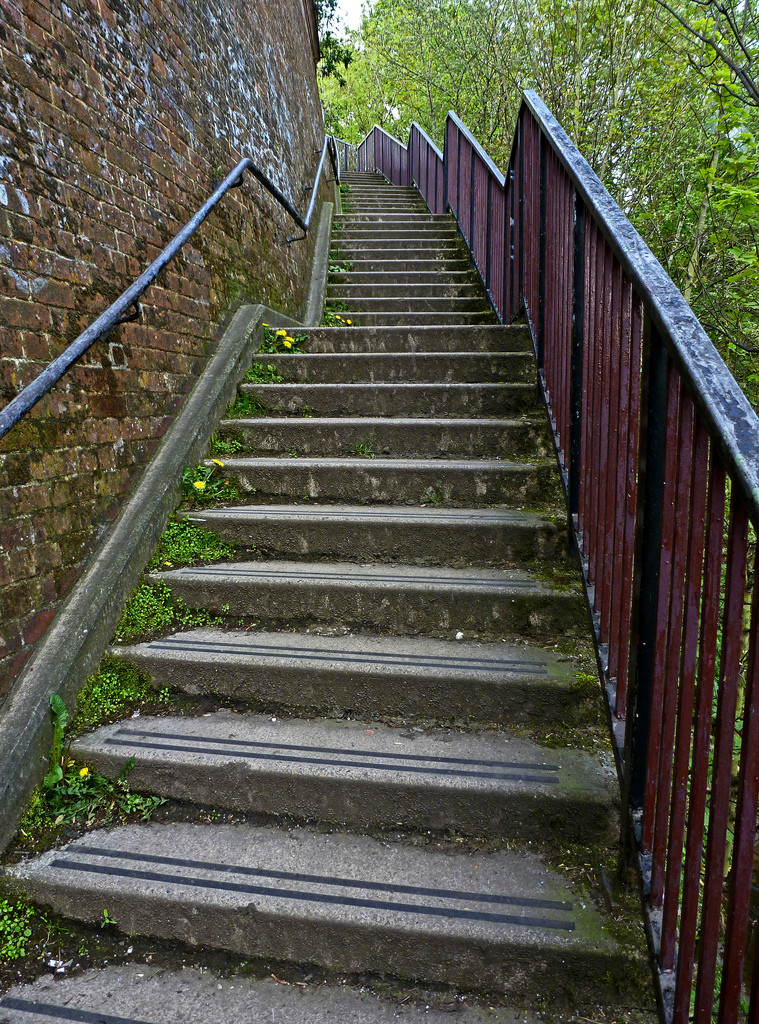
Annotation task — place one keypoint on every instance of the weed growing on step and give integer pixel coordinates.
(434, 495)
(345, 188)
(341, 266)
(152, 609)
(224, 446)
(15, 919)
(115, 688)
(263, 373)
(246, 406)
(332, 315)
(364, 448)
(206, 485)
(280, 341)
(183, 543)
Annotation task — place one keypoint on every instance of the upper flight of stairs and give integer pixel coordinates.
(400, 625)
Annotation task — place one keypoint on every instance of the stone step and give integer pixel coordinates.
(404, 278)
(364, 775)
(348, 903)
(400, 599)
(458, 369)
(347, 290)
(424, 342)
(130, 994)
(389, 437)
(414, 536)
(398, 233)
(402, 265)
(368, 676)
(403, 303)
(384, 217)
(396, 318)
(444, 482)
(369, 250)
(388, 399)
(359, 207)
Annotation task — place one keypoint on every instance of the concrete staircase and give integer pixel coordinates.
(392, 654)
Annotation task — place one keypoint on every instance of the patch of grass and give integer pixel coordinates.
(116, 687)
(434, 495)
(206, 485)
(15, 931)
(332, 315)
(263, 373)
(152, 610)
(364, 448)
(183, 543)
(246, 406)
(220, 446)
(341, 266)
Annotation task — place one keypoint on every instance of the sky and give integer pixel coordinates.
(350, 12)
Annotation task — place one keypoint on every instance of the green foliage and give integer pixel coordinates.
(224, 446)
(332, 315)
(364, 448)
(280, 341)
(60, 716)
(246, 406)
(152, 610)
(85, 797)
(263, 373)
(15, 918)
(341, 266)
(434, 495)
(184, 543)
(116, 687)
(206, 485)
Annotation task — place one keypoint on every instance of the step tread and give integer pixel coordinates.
(160, 996)
(386, 514)
(342, 575)
(358, 773)
(362, 902)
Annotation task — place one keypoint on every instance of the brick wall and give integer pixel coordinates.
(115, 121)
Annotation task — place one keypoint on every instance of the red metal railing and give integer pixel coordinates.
(659, 451)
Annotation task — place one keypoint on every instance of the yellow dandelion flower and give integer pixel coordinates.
(281, 333)
(83, 773)
(263, 324)
(349, 321)
(218, 462)
(287, 342)
(199, 485)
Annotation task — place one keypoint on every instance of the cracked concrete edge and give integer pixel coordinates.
(73, 645)
(320, 266)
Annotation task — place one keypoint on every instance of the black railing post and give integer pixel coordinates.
(542, 254)
(575, 410)
(445, 168)
(647, 552)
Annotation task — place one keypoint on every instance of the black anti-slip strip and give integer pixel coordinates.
(353, 577)
(333, 654)
(331, 762)
(319, 897)
(347, 751)
(65, 1012)
(294, 876)
(431, 517)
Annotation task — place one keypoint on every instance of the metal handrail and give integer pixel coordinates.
(119, 311)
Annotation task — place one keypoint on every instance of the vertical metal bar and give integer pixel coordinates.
(578, 309)
(702, 733)
(487, 231)
(686, 698)
(542, 255)
(520, 151)
(653, 418)
(745, 829)
(719, 802)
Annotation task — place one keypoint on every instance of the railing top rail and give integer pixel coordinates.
(733, 423)
(477, 147)
(427, 139)
(118, 312)
(378, 128)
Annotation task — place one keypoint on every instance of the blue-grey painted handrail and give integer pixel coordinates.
(733, 424)
(118, 312)
(427, 139)
(477, 148)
